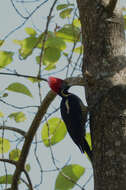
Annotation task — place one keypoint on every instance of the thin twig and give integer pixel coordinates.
(17, 11)
(43, 45)
(15, 163)
(17, 107)
(29, 180)
(21, 132)
(38, 162)
(74, 45)
(88, 180)
(32, 131)
(3, 154)
(8, 161)
(30, 135)
(59, 169)
(45, 36)
(22, 24)
(24, 183)
(24, 76)
(75, 64)
(32, 1)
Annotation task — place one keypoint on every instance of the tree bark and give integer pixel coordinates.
(104, 69)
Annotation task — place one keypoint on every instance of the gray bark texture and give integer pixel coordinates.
(104, 69)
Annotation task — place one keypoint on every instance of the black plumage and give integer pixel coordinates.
(74, 114)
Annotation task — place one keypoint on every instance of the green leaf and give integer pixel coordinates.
(52, 41)
(14, 154)
(51, 55)
(1, 114)
(27, 167)
(76, 22)
(1, 42)
(27, 46)
(38, 59)
(78, 50)
(18, 116)
(30, 31)
(53, 47)
(5, 58)
(66, 13)
(63, 6)
(50, 67)
(19, 88)
(53, 131)
(69, 33)
(55, 42)
(68, 177)
(33, 80)
(4, 145)
(6, 179)
(48, 35)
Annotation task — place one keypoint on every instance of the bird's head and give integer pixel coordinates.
(58, 85)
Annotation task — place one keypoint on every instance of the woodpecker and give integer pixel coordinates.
(73, 113)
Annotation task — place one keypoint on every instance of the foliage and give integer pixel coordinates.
(54, 48)
(68, 176)
(14, 154)
(65, 11)
(6, 179)
(53, 131)
(6, 58)
(4, 145)
(20, 88)
(18, 116)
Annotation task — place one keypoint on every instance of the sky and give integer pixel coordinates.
(64, 150)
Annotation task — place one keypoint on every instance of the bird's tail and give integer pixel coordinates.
(84, 147)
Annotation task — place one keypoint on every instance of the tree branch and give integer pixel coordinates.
(26, 19)
(24, 76)
(111, 6)
(25, 172)
(45, 36)
(72, 80)
(33, 129)
(29, 137)
(21, 132)
(76, 81)
(8, 161)
(17, 107)
(24, 183)
(29, 180)
(43, 41)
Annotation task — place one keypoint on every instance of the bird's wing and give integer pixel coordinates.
(84, 110)
(74, 113)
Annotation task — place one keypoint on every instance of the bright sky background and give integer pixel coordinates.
(64, 150)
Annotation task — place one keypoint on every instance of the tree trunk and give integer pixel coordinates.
(104, 69)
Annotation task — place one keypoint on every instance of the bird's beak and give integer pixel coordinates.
(45, 80)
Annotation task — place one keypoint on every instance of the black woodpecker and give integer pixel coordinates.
(73, 113)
